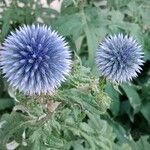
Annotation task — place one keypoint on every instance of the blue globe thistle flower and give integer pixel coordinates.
(35, 59)
(119, 58)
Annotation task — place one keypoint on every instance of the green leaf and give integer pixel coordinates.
(14, 124)
(127, 109)
(94, 30)
(49, 1)
(86, 101)
(145, 110)
(116, 4)
(141, 144)
(145, 11)
(86, 128)
(69, 25)
(6, 103)
(133, 97)
(114, 95)
(91, 42)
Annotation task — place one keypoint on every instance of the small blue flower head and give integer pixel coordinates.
(35, 59)
(119, 58)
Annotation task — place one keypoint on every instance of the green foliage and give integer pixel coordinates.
(141, 144)
(20, 12)
(79, 122)
(114, 95)
(76, 123)
(6, 103)
(133, 97)
(59, 131)
(87, 112)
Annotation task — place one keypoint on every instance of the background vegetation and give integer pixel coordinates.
(87, 113)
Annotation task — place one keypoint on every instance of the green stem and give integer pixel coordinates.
(88, 34)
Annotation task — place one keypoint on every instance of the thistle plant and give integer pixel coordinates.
(35, 59)
(119, 58)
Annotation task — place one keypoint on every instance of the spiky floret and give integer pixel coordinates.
(35, 59)
(119, 58)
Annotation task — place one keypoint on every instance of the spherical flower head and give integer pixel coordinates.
(119, 58)
(35, 59)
